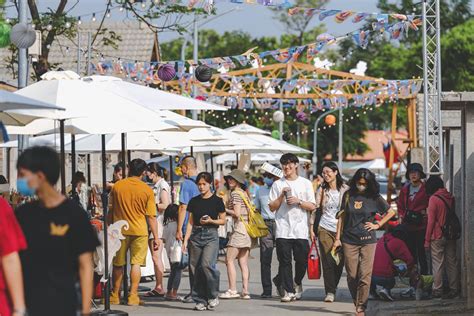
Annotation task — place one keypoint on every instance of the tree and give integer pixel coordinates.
(298, 24)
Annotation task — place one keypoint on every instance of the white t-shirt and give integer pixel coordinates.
(160, 186)
(331, 207)
(291, 220)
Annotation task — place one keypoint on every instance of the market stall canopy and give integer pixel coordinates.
(88, 110)
(245, 129)
(151, 98)
(11, 102)
(256, 158)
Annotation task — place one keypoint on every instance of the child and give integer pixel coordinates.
(170, 222)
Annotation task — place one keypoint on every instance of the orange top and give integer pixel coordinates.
(133, 200)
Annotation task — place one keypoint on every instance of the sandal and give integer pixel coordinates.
(153, 293)
(229, 294)
(245, 296)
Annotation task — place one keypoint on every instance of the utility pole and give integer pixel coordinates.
(22, 66)
(340, 155)
(195, 58)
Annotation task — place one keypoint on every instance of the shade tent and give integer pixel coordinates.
(153, 99)
(245, 129)
(13, 106)
(256, 158)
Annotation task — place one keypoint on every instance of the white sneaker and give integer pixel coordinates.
(289, 297)
(200, 307)
(229, 294)
(211, 304)
(384, 294)
(299, 291)
(329, 298)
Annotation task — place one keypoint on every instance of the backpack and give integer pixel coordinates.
(452, 226)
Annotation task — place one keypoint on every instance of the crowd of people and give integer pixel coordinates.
(46, 246)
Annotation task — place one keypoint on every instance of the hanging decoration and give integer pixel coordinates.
(166, 72)
(330, 119)
(203, 73)
(23, 35)
(278, 116)
(4, 35)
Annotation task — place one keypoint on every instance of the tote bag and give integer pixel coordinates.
(314, 266)
(256, 227)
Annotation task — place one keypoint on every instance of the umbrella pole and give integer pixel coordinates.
(73, 159)
(124, 175)
(212, 172)
(192, 151)
(63, 157)
(171, 179)
(105, 205)
(89, 175)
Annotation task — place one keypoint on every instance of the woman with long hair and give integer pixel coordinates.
(356, 233)
(156, 176)
(328, 202)
(239, 241)
(206, 214)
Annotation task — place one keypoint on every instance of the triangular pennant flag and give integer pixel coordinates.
(360, 17)
(342, 16)
(326, 13)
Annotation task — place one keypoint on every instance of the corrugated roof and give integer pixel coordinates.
(136, 44)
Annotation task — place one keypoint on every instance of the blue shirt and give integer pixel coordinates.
(261, 202)
(187, 191)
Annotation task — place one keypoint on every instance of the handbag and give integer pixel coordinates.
(412, 217)
(255, 226)
(314, 265)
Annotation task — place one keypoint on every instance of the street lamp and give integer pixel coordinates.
(315, 140)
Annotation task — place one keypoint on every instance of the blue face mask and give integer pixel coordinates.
(23, 187)
(268, 181)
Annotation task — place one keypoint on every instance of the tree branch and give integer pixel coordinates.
(101, 22)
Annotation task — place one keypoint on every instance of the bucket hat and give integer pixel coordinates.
(237, 175)
(415, 167)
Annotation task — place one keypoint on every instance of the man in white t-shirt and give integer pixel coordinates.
(292, 199)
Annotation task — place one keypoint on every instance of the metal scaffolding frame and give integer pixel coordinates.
(433, 130)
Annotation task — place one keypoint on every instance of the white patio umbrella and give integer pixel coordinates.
(256, 158)
(245, 129)
(151, 98)
(10, 103)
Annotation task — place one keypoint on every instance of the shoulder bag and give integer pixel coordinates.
(255, 226)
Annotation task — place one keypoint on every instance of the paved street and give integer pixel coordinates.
(311, 303)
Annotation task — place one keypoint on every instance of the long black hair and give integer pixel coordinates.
(373, 187)
(433, 184)
(171, 214)
(206, 176)
(339, 181)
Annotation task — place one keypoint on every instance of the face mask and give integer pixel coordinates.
(23, 187)
(268, 181)
(361, 188)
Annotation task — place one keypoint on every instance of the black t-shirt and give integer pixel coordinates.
(55, 238)
(361, 209)
(198, 206)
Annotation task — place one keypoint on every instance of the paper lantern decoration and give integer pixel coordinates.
(166, 72)
(22, 35)
(301, 116)
(276, 134)
(330, 119)
(4, 34)
(203, 73)
(278, 116)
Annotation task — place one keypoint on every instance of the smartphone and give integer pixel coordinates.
(205, 217)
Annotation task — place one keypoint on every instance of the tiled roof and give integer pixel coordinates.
(136, 44)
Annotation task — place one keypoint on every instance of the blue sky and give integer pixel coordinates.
(255, 19)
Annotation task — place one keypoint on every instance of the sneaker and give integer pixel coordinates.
(114, 299)
(211, 304)
(188, 299)
(384, 294)
(200, 307)
(288, 297)
(408, 293)
(329, 298)
(229, 294)
(436, 294)
(279, 287)
(299, 291)
(266, 295)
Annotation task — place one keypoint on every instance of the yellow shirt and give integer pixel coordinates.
(133, 200)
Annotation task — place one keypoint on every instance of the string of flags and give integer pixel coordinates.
(147, 72)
